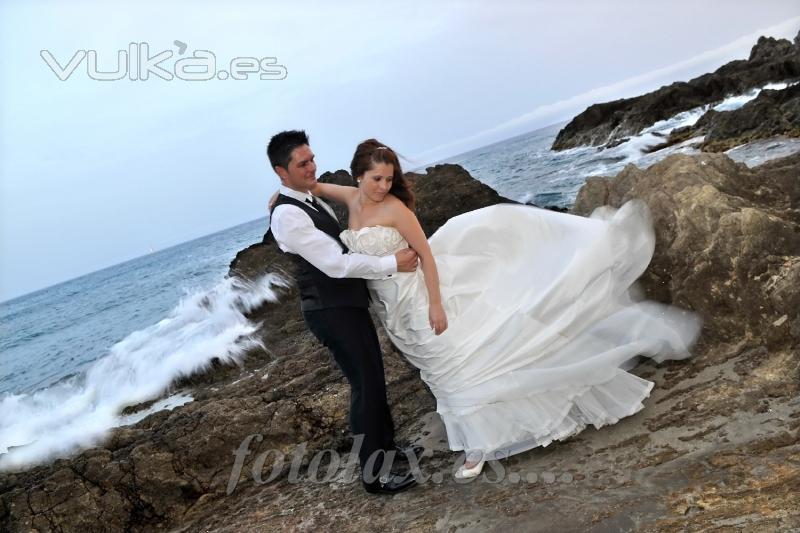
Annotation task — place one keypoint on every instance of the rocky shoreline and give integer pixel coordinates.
(772, 113)
(715, 447)
(771, 60)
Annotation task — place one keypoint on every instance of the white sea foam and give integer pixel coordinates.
(634, 150)
(78, 412)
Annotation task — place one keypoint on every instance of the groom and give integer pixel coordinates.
(334, 301)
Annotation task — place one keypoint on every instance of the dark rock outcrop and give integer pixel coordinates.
(771, 60)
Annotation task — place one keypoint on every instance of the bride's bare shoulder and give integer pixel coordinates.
(398, 212)
(395, 204)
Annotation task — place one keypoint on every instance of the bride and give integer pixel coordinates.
(520, 320)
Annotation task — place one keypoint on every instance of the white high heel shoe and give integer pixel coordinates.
(475, 457)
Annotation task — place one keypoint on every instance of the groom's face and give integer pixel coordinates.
(302, 172)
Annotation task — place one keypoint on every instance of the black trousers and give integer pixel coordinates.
(348, 332)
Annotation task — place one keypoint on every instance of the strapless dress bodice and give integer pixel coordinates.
(373, 240)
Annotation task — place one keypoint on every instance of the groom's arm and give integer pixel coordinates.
(295, 233)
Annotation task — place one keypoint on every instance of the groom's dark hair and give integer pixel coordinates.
(279, 149)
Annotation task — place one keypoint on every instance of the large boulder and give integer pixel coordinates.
(728, 239)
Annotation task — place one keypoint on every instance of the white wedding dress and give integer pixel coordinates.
(542, 321)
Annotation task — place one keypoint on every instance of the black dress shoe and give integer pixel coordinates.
(391, 483)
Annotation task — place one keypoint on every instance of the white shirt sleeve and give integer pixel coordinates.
(294, 231)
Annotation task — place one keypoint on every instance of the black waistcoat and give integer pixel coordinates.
(317, 290)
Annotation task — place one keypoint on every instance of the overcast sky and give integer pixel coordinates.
(94, 173)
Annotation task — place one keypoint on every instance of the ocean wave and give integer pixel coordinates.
(77, 412)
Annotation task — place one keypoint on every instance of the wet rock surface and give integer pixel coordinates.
(716, 446)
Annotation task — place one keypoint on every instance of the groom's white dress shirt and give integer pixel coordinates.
(295, 232)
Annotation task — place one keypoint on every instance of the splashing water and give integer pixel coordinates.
(78, 412)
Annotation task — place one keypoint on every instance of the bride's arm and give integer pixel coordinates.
(407, 224)
(328, 191)
(338, 193)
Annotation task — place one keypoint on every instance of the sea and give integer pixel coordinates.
(74, 355)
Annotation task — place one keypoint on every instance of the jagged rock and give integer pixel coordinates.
(769, 49)
(771, 60)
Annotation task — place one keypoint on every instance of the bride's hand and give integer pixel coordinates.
(438, 318)
(272, 201)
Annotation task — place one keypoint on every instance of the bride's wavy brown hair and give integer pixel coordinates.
(372, 151)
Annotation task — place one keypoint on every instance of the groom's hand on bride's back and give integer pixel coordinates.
(407, 260)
